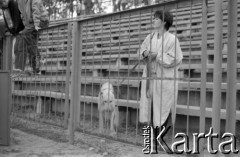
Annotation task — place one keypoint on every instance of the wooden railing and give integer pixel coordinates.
(109, 45)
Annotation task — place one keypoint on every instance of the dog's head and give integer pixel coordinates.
(107, 95)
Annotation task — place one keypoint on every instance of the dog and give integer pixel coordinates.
(107, 108)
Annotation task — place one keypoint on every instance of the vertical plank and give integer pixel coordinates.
(217, 75)
(79, 69)
(231, 67)
(75, 81)
(5, 99)
(69, 51)
(203, 73)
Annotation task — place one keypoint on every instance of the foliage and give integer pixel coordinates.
(66, 8)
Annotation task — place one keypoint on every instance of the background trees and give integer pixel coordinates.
(59, 9)
(66, 8)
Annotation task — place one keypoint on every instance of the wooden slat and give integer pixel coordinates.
(115, 67)
(195, 111)
(134, 56)
(130, 81)
(181, 109)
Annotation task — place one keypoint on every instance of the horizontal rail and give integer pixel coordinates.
(181, 109)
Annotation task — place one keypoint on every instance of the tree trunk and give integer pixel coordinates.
(88, 7)
(116, 5)
(99, 7)
(146, 2)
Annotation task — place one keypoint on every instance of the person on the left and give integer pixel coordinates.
(14, 25)
(12, 16)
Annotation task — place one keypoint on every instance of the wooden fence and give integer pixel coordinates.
(104, 48)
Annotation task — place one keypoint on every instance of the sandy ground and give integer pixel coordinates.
(50, 141)
(33, 139)
(27, 145)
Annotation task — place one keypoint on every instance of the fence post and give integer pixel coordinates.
(231, 67)
(203, 73)
(5, 90)
(7, 64)
(75, 80)
(7, 53)
(217, 75)
(69, 51)
(5, 99)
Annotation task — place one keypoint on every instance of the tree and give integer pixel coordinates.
(146, 2)
(99, 8)
(115, 5)
(88, 6)
(63, 8)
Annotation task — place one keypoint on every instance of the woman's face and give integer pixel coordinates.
(158, 23)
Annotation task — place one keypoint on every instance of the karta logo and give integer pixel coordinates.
(227, 146)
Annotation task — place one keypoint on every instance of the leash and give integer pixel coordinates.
(134, 67)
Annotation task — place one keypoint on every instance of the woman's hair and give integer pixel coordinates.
(166, 17)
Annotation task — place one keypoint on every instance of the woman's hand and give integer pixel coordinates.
(153, 56)
(150, 57)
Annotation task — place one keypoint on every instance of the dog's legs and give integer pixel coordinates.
(100, 122)
(113, 132)
(116, 118)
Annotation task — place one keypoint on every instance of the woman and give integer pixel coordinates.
(162, 50)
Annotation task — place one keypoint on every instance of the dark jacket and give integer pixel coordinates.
(2, 28)
(16, 17)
